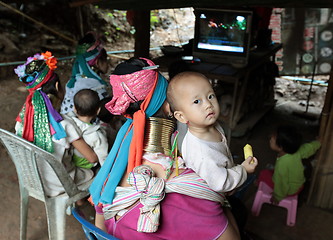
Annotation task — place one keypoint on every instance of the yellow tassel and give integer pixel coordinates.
(176, 160)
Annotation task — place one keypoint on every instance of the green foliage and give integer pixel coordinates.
(154, 19)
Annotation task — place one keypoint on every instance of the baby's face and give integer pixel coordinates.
(198, 102)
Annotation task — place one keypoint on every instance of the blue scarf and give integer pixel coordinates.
(115, 164)
(81, 67)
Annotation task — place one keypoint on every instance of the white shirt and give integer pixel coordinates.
(95, 136)
(213, 162)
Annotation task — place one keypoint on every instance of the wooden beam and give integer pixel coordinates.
(153, 4)
(142, 33)
(38, 23)
(78, 3)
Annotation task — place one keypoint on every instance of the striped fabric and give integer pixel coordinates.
(189, 183)
(151, 190)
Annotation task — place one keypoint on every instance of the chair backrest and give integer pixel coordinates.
(26, 157)
(90, 230)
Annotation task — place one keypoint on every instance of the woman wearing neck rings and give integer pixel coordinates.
(143, 191)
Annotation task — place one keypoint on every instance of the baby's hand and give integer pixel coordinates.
(250, 164)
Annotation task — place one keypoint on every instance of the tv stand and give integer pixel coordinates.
(238, 65)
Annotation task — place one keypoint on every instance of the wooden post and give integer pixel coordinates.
(142, 33)
(320, 192)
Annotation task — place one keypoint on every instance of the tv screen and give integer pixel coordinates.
(222, 35)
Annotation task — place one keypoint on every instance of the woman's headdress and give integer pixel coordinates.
(29, 69)
(87, 54)
(131, 88)
(127, 150)
(39, 119)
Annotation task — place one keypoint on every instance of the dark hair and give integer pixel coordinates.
(103, 55)
(88, 38)
(288, 138)
(104, 114)
(51, 86)
(86, 102)
(130, 66)
(127, 67)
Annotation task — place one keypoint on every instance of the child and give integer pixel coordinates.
(204, 148)
(86, 108)
(40, 123)
(287, 178)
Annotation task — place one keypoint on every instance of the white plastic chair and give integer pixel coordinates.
(26, 157)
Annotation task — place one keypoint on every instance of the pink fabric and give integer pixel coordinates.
(130, 88)
(182, 217)
(93, 61)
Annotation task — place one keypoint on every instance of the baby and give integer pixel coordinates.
(86, 108)
(193, 102)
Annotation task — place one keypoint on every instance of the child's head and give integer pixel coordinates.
(192, 99)
(286, 138)
(86, 103)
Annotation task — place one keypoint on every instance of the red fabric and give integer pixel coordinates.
(266, 177)
(139, 122)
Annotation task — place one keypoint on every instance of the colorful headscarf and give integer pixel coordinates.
(130, 88)
(40, 120)
(127, 149)
(86, 56)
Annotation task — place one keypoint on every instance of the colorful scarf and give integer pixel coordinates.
(127, 149)
(85, 58)
(39, 118)
(130, 88)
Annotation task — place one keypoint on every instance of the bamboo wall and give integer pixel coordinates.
(321, 190)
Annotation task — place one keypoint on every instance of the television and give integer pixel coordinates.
(222, 36)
